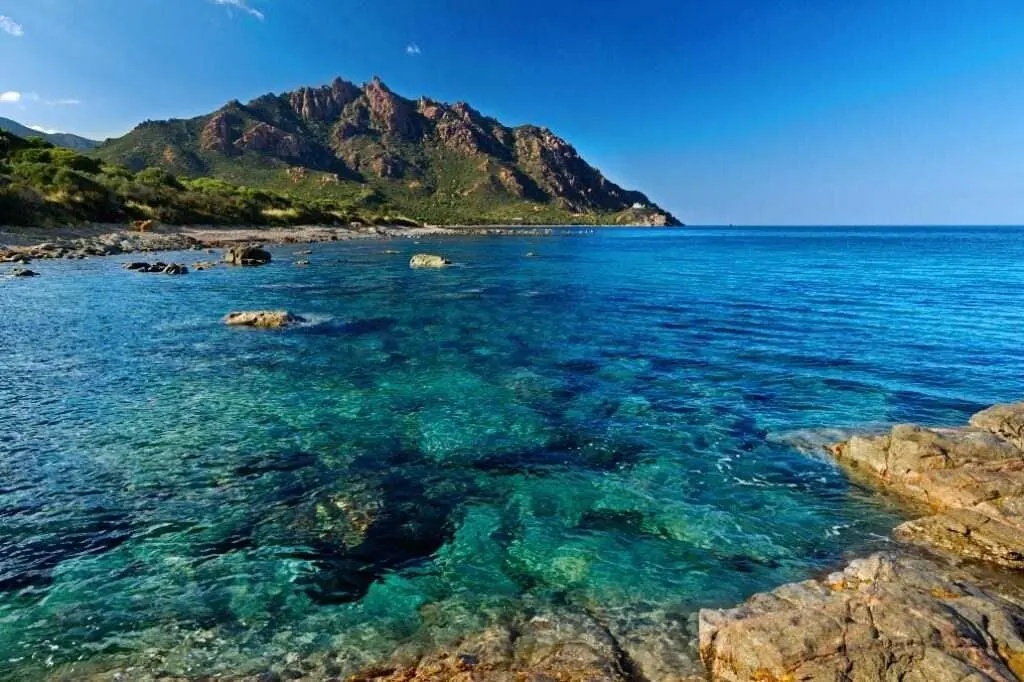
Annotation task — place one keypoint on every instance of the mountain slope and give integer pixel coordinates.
(430, 160)
(68, 140)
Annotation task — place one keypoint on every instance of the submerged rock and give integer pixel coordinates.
(886, 617)
(263, 319)
(247, 255)
(425, 260)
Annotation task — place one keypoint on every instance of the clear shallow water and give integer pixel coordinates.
(609, 425)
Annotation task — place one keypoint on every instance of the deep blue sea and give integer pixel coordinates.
(621, 423)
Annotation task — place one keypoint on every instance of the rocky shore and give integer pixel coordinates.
(946, 604)
(22, 245)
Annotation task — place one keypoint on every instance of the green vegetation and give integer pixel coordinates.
(45, 185)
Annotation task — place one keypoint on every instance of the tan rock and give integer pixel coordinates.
(263, 319)
(885, 617)
(1003, 420)
(424, 260)
(247, 255)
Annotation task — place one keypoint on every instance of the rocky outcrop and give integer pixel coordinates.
(425, 260)
(391, 114)
(1003, 420)
(262, 319)
(886, 617)
(903, 615)
(247, 255)
(23, 272)
(971, 478)
(216, 135)
(267, 139)
(325, 103)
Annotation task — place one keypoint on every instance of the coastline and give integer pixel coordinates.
(946, 603)
(104, 239)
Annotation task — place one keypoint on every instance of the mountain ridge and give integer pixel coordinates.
(434, 161)
(68, 140)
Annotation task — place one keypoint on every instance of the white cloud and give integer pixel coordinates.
(8, 25)
(413, 50)
(242, 5)
(10, 97)
(63, 102)
(41, 129)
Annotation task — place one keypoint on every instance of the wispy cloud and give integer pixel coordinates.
(8, 25)
(63, 102)
(10, 97)
(413, 50)
(242, 5)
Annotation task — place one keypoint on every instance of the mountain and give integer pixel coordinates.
(59, 139)
(369, 146)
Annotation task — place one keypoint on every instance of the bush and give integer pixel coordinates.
(157, 177)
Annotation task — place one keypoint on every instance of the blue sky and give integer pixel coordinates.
(752, 112)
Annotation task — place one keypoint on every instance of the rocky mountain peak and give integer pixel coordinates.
(438, 155)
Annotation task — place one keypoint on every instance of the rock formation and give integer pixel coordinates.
(247, 255)
(425, 260)
(904, 615)
(262, 319)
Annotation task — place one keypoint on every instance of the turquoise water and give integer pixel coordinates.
(615, 424)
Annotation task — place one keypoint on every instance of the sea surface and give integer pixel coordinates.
(623, 422)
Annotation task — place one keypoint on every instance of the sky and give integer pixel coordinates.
(763, 112)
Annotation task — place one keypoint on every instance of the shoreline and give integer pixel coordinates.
(103, 239)
(945, 603)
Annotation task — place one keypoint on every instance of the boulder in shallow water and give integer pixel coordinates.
(426, 260)
(262, 319)
(23, 272)
(247, 255)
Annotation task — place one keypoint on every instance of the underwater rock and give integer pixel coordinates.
(247, 255)
(884, 617)
(424, 260)
(263, 319)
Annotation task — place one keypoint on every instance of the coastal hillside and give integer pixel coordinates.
(44, 185)
(76, 142)
(430, 160)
